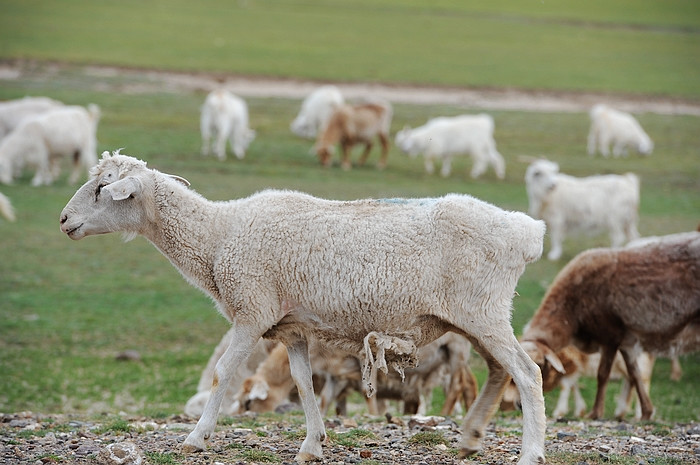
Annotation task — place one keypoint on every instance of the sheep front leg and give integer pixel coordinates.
(607, 355)
(300, 366)
(238, 351)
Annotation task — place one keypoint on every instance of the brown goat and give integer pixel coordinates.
(355, 124)
(443, 363)
(644, 297)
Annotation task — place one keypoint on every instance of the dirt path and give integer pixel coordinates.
(142, 81)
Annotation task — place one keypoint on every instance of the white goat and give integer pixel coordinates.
(585, 206)
(446, 137)
(610, 126)
(14, 112)
(378, 278)
(316, 111)
(41, 141)
(225, 117)
(6, 209)
(628, 299)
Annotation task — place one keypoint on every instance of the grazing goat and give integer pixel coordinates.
(587, 206)
(6, 209)
(356, 124)
(225, 117)
(41, 141)
(316, 111)
(577, 364)
(630, 299)
(378, 278)
(14, 112)
(443, 363)
(445, 137)
(610, 126)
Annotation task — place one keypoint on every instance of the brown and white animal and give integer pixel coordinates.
(195, 404)
(375, 278)
(630, 299)
(577, 364)
(442, 363)
(316, 111)
(225, 117)
(356, 124)
(14, 112)
(42, 141)
(622, 130)
(446, 137)
(582, 206)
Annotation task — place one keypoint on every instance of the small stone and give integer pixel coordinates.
(568, 437)
(120, 453)
(349, 423)
(365, 454)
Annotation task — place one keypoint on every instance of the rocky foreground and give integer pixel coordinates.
(29, 438)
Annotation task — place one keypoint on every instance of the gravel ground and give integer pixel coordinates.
(29, 438)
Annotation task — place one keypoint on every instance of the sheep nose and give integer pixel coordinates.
(64, 218)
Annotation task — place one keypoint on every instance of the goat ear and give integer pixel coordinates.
(552, 358)
(182, 180)
(259, 391)
(124, 188)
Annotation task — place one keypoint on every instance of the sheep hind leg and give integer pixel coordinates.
(635, 379)
(300, 367)
(242, 343)
(505, 357)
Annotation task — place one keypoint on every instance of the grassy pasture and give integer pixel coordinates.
(67, 308)
(632, 46)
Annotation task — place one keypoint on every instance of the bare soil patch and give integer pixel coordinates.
(145, 80)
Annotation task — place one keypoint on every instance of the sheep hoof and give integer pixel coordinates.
(304, 457)
(191, 446)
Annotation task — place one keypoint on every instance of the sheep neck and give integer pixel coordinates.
(184, 225)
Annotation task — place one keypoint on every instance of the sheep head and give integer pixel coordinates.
(117, 198)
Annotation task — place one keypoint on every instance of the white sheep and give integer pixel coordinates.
(225, 117)
(6, 209)
(42, 141)
(622, 130)
(374, 278)
(14, 112)
(584, 206)
(444, 138)
(316, 111)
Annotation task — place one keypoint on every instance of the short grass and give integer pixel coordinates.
(634, 46)
(66, 308)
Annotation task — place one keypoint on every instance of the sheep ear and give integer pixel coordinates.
(124, 188)
(182, 180)
(553, 360)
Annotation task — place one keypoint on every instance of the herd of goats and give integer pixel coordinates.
(407, 287)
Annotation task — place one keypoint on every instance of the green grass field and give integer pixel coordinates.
(66, 309)
(631, 46)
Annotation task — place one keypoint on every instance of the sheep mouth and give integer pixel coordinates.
(70, 232)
